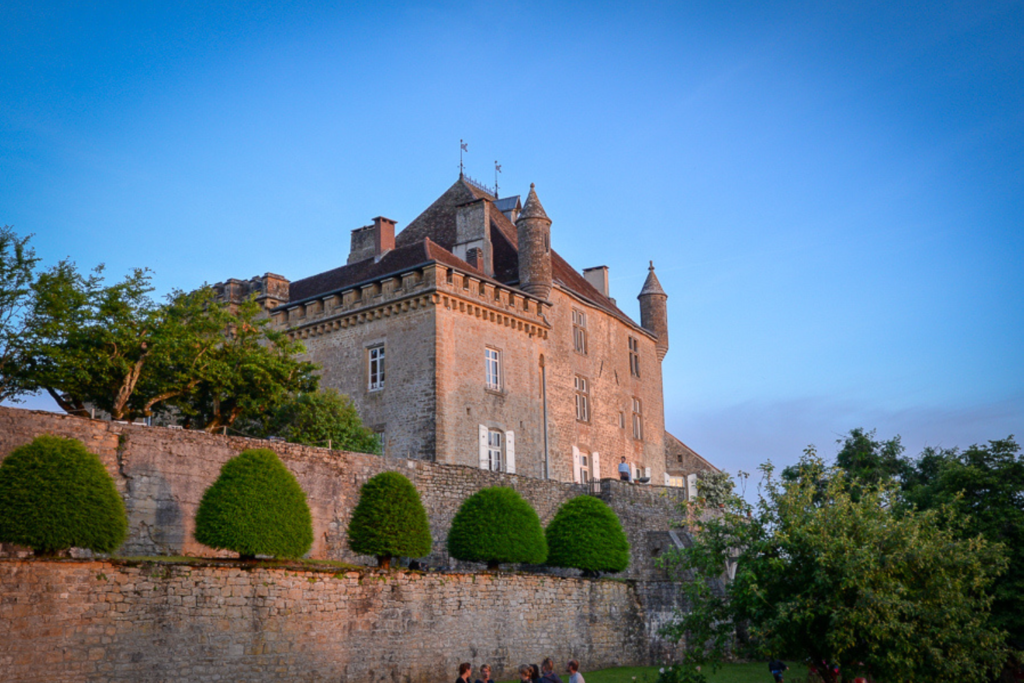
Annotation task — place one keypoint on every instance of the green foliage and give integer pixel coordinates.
(831, 576)
(17, 260)
(55, 494)
(256, 507)
(389, 520)
(496, 525)
(319, 418)
(985, 485)
(254, 372)
(586, 534)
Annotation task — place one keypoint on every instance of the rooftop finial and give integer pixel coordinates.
(652, 266)
(497, 170)
(463, 147)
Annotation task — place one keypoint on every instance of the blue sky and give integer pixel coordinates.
(833, 196)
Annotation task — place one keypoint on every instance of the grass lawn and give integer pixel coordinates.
(755, 672)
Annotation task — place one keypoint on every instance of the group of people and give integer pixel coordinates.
(528, 673)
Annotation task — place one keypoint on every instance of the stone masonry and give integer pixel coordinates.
(75, 621)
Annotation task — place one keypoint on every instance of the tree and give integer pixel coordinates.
(319, 418)
(496, 525)
(586, 534)
(17, 261)
(55, 494)
(985, 485)
(255, 371)
(256, 507)
(389, 520)
(858, 581)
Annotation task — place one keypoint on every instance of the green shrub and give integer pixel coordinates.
(320, 418)
(256, 507)
(586, 534)
(55, 494)
(496, 525)
(389, 520)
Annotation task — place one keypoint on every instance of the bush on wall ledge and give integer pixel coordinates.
(55, 495)
(256, 507)
(496, 525)
(389, 520)
(586, 534)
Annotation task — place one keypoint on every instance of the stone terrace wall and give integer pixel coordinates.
(162, 474)
(68, 620)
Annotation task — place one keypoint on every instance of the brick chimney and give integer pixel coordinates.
(372, 241)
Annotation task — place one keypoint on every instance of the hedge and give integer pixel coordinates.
(496, 525)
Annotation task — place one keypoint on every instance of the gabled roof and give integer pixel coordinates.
(691, 461)
(431, 237)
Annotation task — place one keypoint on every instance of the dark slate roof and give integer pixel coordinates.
(394, 262)
(651, 284)
(507, 203)
(431, 236)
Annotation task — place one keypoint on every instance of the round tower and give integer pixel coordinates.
(533, 228)
(654, 311)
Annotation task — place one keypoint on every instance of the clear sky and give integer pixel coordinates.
(833, 196)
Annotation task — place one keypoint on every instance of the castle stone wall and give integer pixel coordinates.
(105, 621)
(162, 474)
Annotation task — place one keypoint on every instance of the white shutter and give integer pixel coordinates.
(666, 479)
(595, 467)
(691, 487)
(576, 464)
(510, 452)
(483, 448)
(647, 473)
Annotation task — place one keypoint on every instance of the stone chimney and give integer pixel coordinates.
(654, 311)
(473, 232)
(597, 277)
(372, 241)
(533, 228)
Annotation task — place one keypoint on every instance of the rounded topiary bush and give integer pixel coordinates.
(389, 520)
(496, 525)
(55, 494)
(586, 534)
(256, 507)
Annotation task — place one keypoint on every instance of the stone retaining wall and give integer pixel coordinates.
(71, 620)
(162, 474)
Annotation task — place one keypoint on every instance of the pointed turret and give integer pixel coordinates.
(654, 311)
(533, 228)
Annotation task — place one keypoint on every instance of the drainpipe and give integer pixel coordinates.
(544, 395)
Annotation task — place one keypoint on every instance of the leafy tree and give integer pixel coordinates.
(496, 525)
(858, 581)
(55, 494)
(389, 520)
(586, 534)
(17, 261)
(255, 371)
(317, 419)
(985, 484)
(256, 507)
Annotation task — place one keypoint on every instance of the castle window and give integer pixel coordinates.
(584, 468)
(638, 420)
(492, 362)
(622, 420)
(375, 367)
(634, 356)
(579, 331)
(582, 399)
(494, 450)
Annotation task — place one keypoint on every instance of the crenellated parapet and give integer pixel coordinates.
(270, 290)
(432, 284)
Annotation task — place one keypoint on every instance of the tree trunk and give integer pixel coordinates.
(71, 406)
(127, 387)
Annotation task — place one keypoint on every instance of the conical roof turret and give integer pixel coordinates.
(651, 284)
(532, 208)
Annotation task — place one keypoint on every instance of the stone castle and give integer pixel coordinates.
(467, 340)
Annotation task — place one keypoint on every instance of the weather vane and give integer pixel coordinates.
(463, 147)
(497, 170)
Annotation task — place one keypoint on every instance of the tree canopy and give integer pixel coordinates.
(256, 507)
(55, 494)
(389, 520)
(497, 525)
(587, 534)
(17, 263)
(857, 580)
(317, 418)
